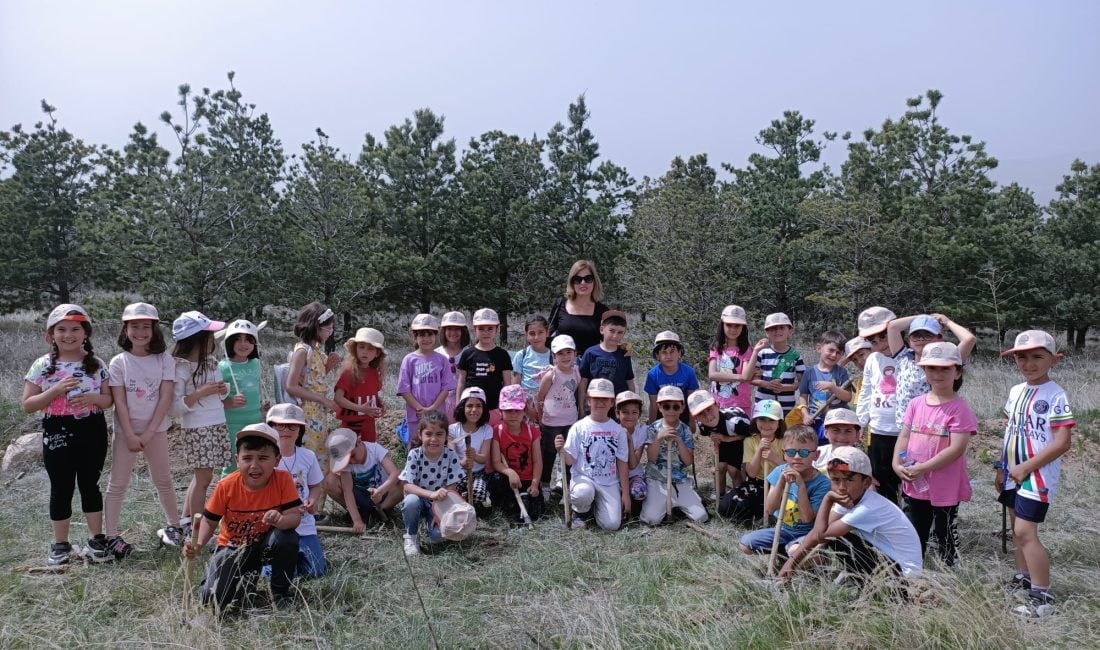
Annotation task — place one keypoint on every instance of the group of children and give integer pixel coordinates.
(485, 429)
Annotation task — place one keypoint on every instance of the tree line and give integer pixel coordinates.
(220, 217)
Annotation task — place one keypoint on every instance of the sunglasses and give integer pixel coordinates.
(284, 426)
(801, 453)
(671, 406)
(577, 279)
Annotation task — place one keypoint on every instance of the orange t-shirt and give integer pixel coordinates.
(241, 510)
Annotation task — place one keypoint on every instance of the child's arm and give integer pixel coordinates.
(1054, 450)
(413, 488)
(501, 466)
(578, 397)
(311, 498)
(687, 454)
(900, 445)
(776, 496)
(624, 485)
(967, 340)
(343, 402)
(536, 468)
(828, 525)
(207, 528)
(347, 487)
(559, 445)
(164, 404)
(792, 387)
(652, 407)
(285, 519)
(102, 399)
(805, 508)
(944, 458)
(893, 333)
(294, 386)
(749, 370)
(437, 403)
(36, 399)
(509, 377)
(629, 386)
(544, 389)
(754, 465)
(714, 374)
(461, 386)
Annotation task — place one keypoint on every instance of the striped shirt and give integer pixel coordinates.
(1033, 413)
(766, 361)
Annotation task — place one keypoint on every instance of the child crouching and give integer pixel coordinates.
(517, 456)
(432, 471)
(669, 433)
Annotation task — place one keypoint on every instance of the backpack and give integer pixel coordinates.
(282, 372)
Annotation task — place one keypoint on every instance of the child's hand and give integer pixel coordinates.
(331, 361)
(760, 345)
(133, 443)
(190, 550)
(1019, 473)
(213, 388)
(513, 478)
(559, 442)
(470, 456)
(807, 419)
(331, 405)
(272, 517)
(308, 505)
(83, 401)
(791, 476)
(65, 385)
(264, 408)
(825, 385)
(358, 526)
(836, 498)
(911, 473)
(237, 401)
(667, 433)
(534, 489)
(775, 385)
(414, 439)
(624, 499)
(439, 494)
(999, 480)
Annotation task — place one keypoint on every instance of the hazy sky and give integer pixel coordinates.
(661, 78)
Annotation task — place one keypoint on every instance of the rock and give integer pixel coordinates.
(23, 453)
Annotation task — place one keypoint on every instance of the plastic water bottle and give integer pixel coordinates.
(78, 413)
(920, 484)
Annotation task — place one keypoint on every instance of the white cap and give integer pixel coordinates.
(873, 320)
(601, 387)
(767, 408)
(286, 414)
(368, 335)
(1033, 340)
(191, 323)
(486, 316)
(849, 459)
(424, 322)
(664, 338)
(670, 394)
(61, 312)
(841, 416)
(628, 396)
(473, 391)
(777, 319)
(852, 346)
(562, 342)
(139, 311)
(734, 314)
(453, 319)
(940, 353)
(340, 443)
(259, 430)
(699, 401)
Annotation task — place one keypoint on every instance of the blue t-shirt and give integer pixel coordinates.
(684, 379)
(597, 363)
(817, 398)
(528, 363)
(817, 488)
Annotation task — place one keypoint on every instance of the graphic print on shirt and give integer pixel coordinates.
(1033, 411)
(423, 372)
(888, 385)
(726, 363)
(600, 451)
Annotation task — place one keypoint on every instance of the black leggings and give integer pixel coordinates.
(73, 451)
(549, 454)
(941, 522)
(882, 458)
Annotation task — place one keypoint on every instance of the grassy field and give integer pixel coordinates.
(641, 587)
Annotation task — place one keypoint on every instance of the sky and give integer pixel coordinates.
(661, 78)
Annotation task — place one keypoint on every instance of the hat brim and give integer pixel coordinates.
(699, 409)
(300, 423)
(732, 320)
(1025, 348)
(341, 463)
(841, 423)
(512, 406)
(871, 331)
(214, 326)
(248, 433)
(663, 343)
(601, 394)
(767, 416)
(486, 322)
(938, 363)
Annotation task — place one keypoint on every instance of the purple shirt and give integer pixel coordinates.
(423, 378)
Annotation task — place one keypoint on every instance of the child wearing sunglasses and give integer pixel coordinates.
(670, 430)
(797, 490)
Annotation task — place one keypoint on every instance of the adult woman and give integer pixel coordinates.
(578, 313)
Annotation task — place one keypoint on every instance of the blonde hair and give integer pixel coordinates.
(351, 363)
(800, 434)
(597, 286)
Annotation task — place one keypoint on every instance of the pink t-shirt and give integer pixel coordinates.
(930, 429)
(738, 393)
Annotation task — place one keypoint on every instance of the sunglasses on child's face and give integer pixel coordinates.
(577, 279)
(283, 426)
(801, 453)
(671, 406)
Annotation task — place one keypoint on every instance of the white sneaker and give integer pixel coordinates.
(412, 547)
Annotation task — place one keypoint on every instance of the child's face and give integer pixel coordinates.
(452, 334)
(921, 338)
(598, 406)
(243, 346)
(365, 353)
(778, 334)
(732, 331)
(512, 418)
(670, 410)
(565, 358)
(767, 427)
(613, 334)
(942, 378)
(1035, 364)
(879, 342)
(287, 432)
(358, 455)
(849, 484)
(669, 356)
(325, 330)
(828, 353)
(433, 438)
(485, 333)
(257, 465)
(536, 335)
(629, 414)
(859, 357)
(425, 339)
(842, 435)
(140, 333)
(709, 416)
(473, 409)
(797, 462)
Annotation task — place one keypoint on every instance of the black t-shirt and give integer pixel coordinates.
(585, 330)
(485, 370)
(731, 422)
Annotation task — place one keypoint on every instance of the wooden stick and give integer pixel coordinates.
(696, 527)
(522, 509)
(565, 499)
(1004, 528)
(336, 529)
(778, 526)
(38, 570)
(469, 477)
(764, 501)
(717, 475)
(196, 521)
(668, 480)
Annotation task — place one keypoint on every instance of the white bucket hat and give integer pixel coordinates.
(368, 335)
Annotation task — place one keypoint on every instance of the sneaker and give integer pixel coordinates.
(119, 548)
(59, 553)
(1021, 582)
(185, 529)
(171, 536)
(411, 545)
(284, 602)
(1039, 604)
(96, 550)
(578, 522)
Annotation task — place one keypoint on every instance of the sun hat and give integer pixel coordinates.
(340, 443)
(628, 396)
(259, 430)
(940, 353)
(767, 408)
(734, 315)
(512, 398)
(286, 414)
(664, 338)
(925, 323)
(422, 322)
(849, 459)
(61, 312)
(453, 319)
(191, 323)
(368, 335)
(670, 394)
(601, 387)
(242, 326)
(562, 342)
(457, 519)
(841, 416)
(777, 319)
(1033, 340)
(486, 316)
(139, 311)
(699, 401)
(852, 346)
(873, 320)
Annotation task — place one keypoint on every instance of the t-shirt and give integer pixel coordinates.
(585, 330)
(485, 369)
(768, 361)
(656, 470)
(559, 409)
(360, 392)
(141, 378)
(684, 378)
(305, 471)
(423, 377)
(529, 364)
(910, 383)
(875, 406)
(930, 429)
(597, 363)
(449, 403)
(638, 438)
(817, 398)
(88, 383)
(456, 437)
(883, 525)
(817, 487)
(734, 393)
(766, 466)
(432, 474)
(595, 446)
(241, 510)
(516, 449)
(247, 376)
(209, 410)
(731, 422)
(1033, 413)
(370, 473)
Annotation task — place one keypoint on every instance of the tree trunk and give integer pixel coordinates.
(1069, 335)
(1079, 340)
(503, 313)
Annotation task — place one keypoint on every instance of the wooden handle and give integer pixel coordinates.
(336, 529)
(668, 480)
(778, 525)
(565, 498)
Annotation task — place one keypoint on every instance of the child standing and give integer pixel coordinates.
(609, 359)
(841, 428)
(70, 387)
(517, 455)
(307, 378)
(877, 393)
(780, 366)
(472, 423)
(240, 370)
(424, 380)
(597, 451)
(530, 362)
(485, 364)
(923, 329)
(358, 391)
(797, 490)
(732, 362)
(362, 478)
(558, 402)
(288, 422)
(823, 385)
(141, 382)
(431, 471)
(934, 435)
(628, 406)
(666, 434)
(454, 337)
(198, 395)
(1037, 434)
(763, 452)
(669, 371)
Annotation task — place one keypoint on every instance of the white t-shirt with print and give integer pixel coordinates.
(877, 395)
(303, 467)
(456, 436)
(595, 446)
(141, 377)
(884, 526)
(1033, 412)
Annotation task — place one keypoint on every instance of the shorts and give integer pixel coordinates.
(731, 453)
(1025, 508)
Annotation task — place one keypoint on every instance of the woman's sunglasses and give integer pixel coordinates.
(577, 279)
(801, 453)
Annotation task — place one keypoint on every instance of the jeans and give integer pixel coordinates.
(413, 510)
(232, 571)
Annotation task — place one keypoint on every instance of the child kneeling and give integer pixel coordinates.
(431, 475)
(664, 435)
(258, 508)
